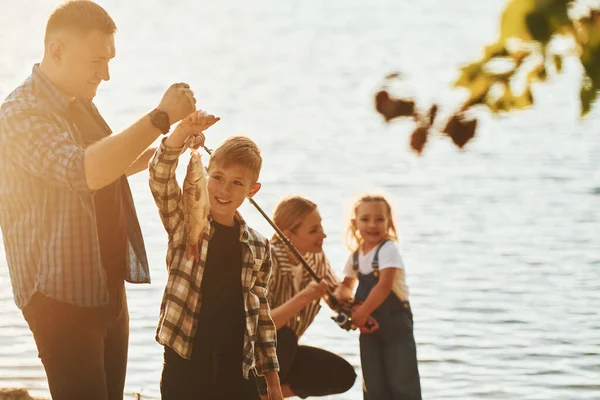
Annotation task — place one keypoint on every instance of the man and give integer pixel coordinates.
(70, 229)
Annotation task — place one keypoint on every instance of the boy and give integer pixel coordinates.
(215, 322)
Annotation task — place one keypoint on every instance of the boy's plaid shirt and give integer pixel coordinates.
(182, 299)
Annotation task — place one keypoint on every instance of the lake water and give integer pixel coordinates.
(501, 241)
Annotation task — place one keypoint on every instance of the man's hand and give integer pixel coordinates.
(178, 101)
(189, 131)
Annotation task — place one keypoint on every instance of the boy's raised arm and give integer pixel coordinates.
(163, 166)
(164, 186)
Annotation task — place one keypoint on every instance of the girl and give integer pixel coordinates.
(388, 353)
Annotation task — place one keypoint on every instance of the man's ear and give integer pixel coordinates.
(255, 189)
(56, 50)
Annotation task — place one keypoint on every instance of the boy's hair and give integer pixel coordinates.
(239, 150)
(80, 17)
(291, 211)
(353, 238)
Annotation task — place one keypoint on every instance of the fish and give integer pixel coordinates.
(195, 204)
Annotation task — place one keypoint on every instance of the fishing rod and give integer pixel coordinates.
(343, 318)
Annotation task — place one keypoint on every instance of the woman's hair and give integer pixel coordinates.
(353, 238)
(290, 213)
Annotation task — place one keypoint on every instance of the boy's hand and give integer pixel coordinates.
(197, 121)
(195, 141)
(275, 393)
(191, 125)
(273, 386)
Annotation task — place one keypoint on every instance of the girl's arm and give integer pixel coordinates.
(377, 296)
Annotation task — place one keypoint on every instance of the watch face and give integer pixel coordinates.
(160, 119)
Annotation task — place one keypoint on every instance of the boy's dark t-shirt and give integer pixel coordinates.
(222, 319)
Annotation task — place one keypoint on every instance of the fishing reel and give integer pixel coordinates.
(344, 319)
(344, 316)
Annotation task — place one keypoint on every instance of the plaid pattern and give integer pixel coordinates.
(281, 286)
(182, 299)
(47, 211)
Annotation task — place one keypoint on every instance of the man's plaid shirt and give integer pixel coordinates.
(182, 299)
(47, 211)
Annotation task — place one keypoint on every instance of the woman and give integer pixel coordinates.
(294, 299)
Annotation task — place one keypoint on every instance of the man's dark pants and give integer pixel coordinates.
(83, 350)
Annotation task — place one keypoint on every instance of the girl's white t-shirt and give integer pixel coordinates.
(389, 257)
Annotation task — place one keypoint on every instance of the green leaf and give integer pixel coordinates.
(558, 62)
(549, 17)
(590, 85)
(587, 95)
(590, 59)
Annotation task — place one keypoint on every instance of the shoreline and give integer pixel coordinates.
(23, 394)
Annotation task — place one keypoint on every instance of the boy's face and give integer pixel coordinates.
(228, 187)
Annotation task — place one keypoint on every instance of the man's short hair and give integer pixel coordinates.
(81, 17)
(238, 150)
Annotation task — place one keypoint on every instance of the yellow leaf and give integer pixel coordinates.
(480, 86)
(513, 23)
(525, 100)
(467, 74)
(537, 74)
(497, 49)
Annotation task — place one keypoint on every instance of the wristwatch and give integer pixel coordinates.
(160, 120)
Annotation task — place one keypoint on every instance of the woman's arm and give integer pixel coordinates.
(345, 290)
(288, 310)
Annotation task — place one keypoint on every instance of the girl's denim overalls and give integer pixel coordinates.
(389, 355)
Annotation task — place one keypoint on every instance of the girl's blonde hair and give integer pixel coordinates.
(353, 238)
(290, 213)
